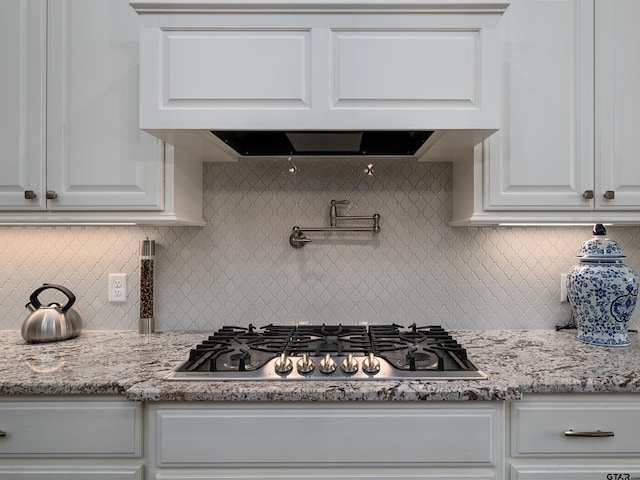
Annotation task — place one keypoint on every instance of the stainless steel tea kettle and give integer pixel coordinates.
(53, 322)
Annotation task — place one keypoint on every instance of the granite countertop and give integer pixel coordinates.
(125, 363)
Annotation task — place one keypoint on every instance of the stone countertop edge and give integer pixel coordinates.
(125, 363)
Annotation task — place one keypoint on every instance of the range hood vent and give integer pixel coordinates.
(225, 79)
(321, 143)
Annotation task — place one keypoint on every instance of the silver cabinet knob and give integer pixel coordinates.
(305, 364)
(371, 364)
(30, 194)
(588, 194)
(327, 364)
(609, 194)
(283, 364)
(349, 364)
(51, 194)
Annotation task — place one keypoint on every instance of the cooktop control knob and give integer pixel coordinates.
(327, 364)
(371, 364)
(305, 364)
(349, 364)
(283, 364)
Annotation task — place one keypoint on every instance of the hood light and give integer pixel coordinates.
(369, 170)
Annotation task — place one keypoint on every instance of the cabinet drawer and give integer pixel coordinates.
(57, 472)
(70, 429)
(619, 472)
(372, 436)
(316, 474)
(539, 429)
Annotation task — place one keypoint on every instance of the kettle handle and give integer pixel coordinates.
(33, 299)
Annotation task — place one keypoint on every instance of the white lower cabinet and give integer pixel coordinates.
(575, 437)
(75, 439)
(325, 441)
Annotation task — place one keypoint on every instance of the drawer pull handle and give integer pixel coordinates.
(597, 433)
(3, 433)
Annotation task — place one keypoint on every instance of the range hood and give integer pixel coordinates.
(244, 78)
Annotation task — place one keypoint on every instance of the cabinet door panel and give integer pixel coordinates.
(279, 58)
(542, 158)
(345, 436)
(97, 157)
(618, 103)
(22, 104)
(446, 80)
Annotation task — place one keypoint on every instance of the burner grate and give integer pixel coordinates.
(414, 352)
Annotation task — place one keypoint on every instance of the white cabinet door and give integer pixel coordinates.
(326, 441)
(97, 158)
(617, 104)
(345, 436)
(22, 104)
(542, 158)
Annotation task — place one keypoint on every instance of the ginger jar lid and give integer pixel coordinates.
(600, 248)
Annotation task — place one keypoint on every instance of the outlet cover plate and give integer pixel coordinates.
(563, 288)
(118, 287)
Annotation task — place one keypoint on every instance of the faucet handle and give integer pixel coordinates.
(333, 211)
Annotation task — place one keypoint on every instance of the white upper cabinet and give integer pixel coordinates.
(70, 120)
(560, 156)
(97, 158)
(23, 104)
(542, 156)
(617, 158)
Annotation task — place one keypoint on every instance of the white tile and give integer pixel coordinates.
(240, 269)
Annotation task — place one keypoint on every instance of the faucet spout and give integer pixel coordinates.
(297, 239)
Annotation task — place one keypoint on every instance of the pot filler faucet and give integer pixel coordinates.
(297, 239)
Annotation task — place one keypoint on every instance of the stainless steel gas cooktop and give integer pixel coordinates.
(328, 352)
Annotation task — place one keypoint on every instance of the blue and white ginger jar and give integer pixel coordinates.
(602, 291)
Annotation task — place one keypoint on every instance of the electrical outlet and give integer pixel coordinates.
(563, 288)
(117, 287)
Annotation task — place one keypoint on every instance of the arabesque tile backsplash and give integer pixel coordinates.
(239, 268)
